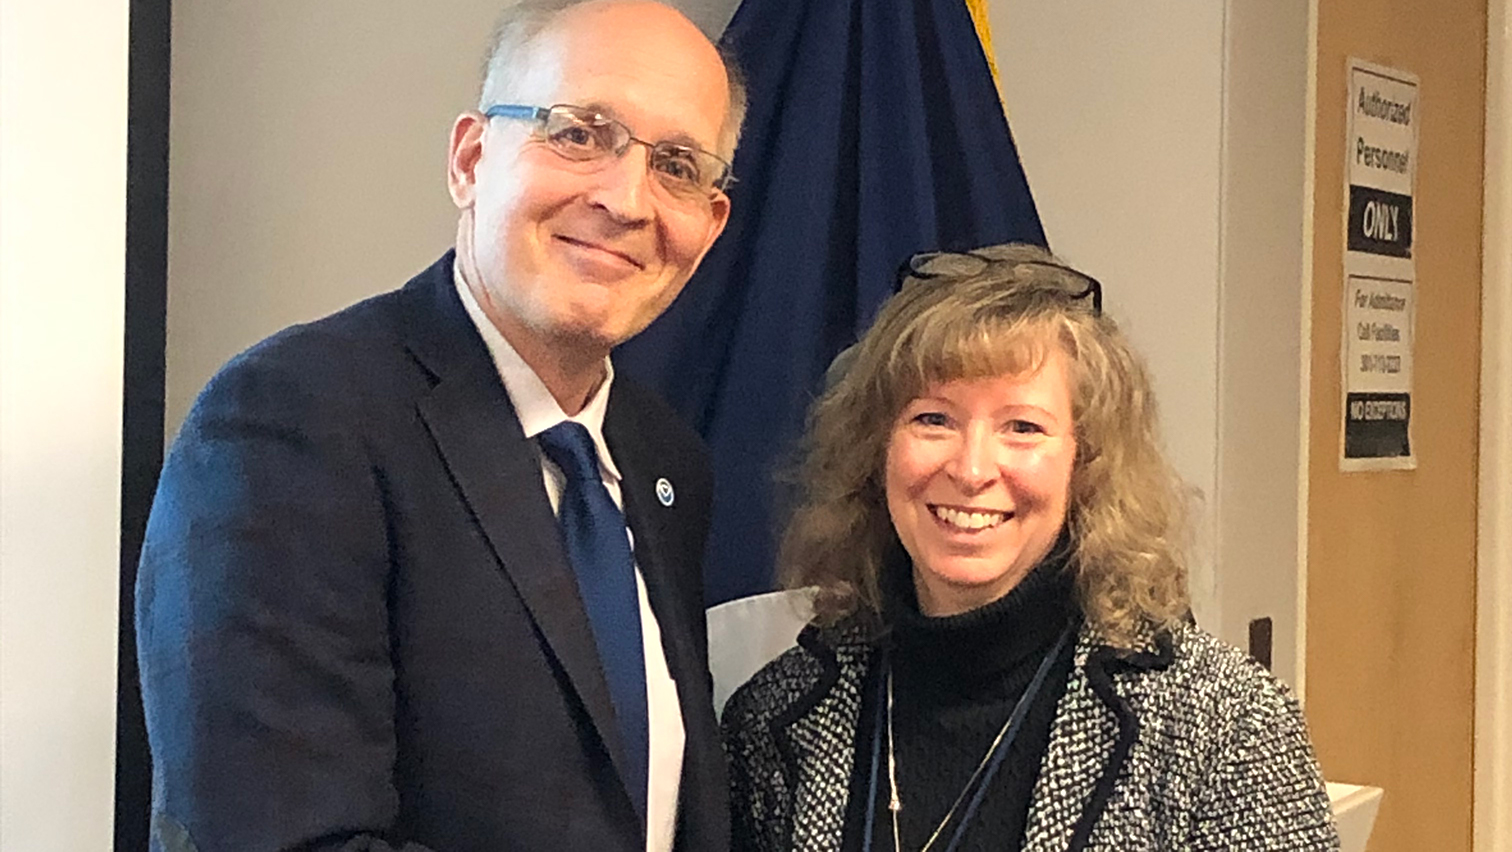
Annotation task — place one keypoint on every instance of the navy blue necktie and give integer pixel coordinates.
(594, 531)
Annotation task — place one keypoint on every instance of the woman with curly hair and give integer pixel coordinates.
(1002, 654)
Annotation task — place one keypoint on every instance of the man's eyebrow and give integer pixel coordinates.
(685, 141)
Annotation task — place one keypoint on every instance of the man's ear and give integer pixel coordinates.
(719, 207)
(463, 154)
(719, 212)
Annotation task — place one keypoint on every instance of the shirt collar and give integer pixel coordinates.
(533, 403)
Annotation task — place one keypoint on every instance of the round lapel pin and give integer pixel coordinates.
(664, 491)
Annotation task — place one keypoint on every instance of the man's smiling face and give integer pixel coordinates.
(588, 254)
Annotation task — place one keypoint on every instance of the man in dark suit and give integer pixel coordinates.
(425, 574)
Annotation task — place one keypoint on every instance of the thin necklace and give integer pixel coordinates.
(895, 803)
(1008, 731)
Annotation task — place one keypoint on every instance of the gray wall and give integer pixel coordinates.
(1117, 111)
(1165, 146)
(308, 162)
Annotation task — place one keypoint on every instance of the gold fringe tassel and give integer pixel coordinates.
(978, 9)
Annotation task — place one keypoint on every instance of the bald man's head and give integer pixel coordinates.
(591, 181)
(521, 24)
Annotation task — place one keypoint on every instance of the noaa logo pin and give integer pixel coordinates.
(664, 491)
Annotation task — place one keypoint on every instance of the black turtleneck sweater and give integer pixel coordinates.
(956, 680)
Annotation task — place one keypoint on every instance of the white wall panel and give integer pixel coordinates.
(1261, 362)
(62, 303)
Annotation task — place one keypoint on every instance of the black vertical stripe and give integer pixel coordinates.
(145, 382)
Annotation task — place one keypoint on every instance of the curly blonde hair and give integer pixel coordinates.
(995, 311)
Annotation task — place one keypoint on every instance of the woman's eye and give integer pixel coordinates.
(1025, 427)
(931, 418)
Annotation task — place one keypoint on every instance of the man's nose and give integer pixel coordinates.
(623, 187)
(974, 465)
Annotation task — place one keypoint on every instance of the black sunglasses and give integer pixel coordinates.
(951, 264)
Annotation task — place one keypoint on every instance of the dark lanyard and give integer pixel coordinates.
(1015, 721)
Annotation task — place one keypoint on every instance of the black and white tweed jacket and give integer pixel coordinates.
(1185, 743)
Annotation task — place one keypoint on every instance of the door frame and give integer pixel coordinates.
(1493, 675)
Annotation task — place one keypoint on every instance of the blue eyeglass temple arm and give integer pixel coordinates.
(515, 111)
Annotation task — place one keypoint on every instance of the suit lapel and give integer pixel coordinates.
(657, 549)
(498, 474)
(659, 546)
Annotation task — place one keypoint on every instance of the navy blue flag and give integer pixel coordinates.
(874, 132)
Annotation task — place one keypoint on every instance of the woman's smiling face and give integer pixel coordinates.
(978, 477)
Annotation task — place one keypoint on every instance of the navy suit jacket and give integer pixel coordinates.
(356, 622)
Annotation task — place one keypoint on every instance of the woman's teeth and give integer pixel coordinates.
(968, 520)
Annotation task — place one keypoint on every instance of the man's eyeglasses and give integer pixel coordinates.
(581, 134)
(950, 264)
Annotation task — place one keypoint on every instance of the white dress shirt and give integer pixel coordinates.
(538, 411)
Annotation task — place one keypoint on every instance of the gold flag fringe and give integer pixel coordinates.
(978, 9)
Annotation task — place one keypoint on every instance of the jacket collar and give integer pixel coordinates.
(1085, 754)
(816, 736)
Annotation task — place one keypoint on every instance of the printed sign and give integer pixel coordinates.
(1380, 275)
(1378, 347)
